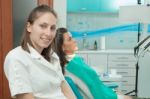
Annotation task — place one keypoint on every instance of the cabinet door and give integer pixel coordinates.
(98, 62)
(124, 72)
(83, 5)
(126, 89)
(121, 65)
(121, 58)
(91, 6)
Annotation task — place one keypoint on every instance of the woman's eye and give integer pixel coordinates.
(53, 28)
(70, 39)
(43, 26)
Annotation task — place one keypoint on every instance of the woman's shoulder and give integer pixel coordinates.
(14, 56)
(15, 53)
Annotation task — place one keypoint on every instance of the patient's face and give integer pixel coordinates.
(69, 45)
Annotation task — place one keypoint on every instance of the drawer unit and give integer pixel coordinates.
(121, 58)
(125, 65)
(126, 81)
(122, 65)
(126, 89)
(125, 72)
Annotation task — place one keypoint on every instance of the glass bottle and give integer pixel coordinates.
(95, 45)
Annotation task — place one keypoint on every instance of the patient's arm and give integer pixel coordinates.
(121, 96)
(25, 96)
(127, 97)
(67, 90)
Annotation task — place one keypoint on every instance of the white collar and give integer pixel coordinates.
(70, 57)
(36, 55)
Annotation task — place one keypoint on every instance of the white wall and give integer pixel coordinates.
(61, 10)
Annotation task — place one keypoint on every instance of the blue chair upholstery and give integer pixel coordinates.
(73, 87)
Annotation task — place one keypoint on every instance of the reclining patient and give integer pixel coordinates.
(65, 48)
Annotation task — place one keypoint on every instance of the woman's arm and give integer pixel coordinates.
(67, 90)
(25, 96)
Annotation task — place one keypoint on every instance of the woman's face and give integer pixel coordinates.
(42, 31)
(69, 45)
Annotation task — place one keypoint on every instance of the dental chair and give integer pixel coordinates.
(85, 92)
(83, 89)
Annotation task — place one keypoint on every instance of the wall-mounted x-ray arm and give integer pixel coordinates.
(147, 45)
(144, 44)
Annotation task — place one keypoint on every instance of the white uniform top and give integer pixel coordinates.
(31, 73)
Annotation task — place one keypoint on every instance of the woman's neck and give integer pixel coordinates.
(69, 57)
(68, 52)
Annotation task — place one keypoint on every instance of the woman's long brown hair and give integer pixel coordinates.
(59, 40)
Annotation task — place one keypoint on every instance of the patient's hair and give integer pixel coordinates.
(59, 40)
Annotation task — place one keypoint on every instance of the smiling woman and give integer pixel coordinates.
(35, 56)
(42, 31)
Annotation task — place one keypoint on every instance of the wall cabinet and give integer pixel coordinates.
(123, 61)
(91, 6)
(82, 5)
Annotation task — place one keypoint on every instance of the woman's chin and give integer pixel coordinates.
(45, 45)
(76, 48)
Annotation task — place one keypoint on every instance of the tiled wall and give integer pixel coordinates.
(85, 22)
(91, 21)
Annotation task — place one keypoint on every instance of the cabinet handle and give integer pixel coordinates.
(122, 64)
(125, 81)
(124, 90)
(122, 58)
(122, 72)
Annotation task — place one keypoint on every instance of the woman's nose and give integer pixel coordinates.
(48, 32)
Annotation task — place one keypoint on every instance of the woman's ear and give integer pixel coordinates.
(29, 27)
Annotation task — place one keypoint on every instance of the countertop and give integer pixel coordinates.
(105, 51)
